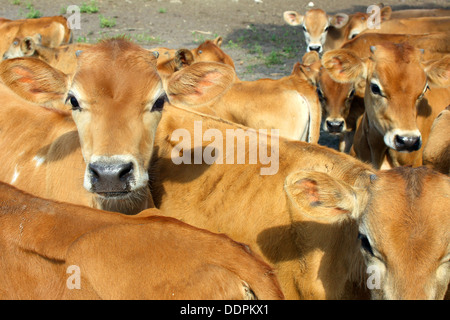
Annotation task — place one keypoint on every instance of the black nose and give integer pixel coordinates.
(314, 48)
(407, 143)
(110, 178)
(335, 126)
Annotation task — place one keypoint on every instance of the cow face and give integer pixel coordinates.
(315, 24)
(401, 247)
(396, 80)
(116, 98)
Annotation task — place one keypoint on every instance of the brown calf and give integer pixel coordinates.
(289, 104)
(54, 31)
(55, 250)
(63, 58)
(305, 219)
(360, 21)
(322, 32)
(399, 108)
(342, 103)
(108, 138)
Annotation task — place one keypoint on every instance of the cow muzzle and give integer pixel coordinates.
(404, 141)
(335, 126)
(111, 179)
(407, 143)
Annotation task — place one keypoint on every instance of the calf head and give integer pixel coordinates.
(23, 47)
(336, 99)
(402, 222)
(315, 24)
(116, 98)
(396, 80)
(360, 21)
(207, 51)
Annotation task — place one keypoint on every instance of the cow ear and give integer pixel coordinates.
(28, 46)
(319, 196)
(310, 66)
(438, 72)
(199, 83)
(218, 41)
(339, 20)
(385, 13)
(34, 80)
(183, 58)
(344, 66)
(293, 18)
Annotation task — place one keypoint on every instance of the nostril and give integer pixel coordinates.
(94, 171)
(125, 171)
(314, 48)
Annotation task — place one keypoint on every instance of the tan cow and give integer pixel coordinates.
(398, 114)
(170, 61)
(413, 25)
(289, 104)
(53, 30)
(362, 21)
(342, 103)
(107, 138)
(433, 44)
(322, 32)
(342, 27)
(305, 219)
(63, 57)
(436, 153)
(54, 250)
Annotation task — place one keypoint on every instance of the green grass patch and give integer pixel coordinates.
(91, 7)
(106, 22)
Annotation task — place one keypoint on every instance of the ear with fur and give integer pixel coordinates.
(344, 66)
(385, 13)
(339, 20)
(310, 66)
(218, 41)
(293, 18)
(183, 58)
(319, 196)
(28, 46)
(199, 83)
(34, 80)
(438, 72)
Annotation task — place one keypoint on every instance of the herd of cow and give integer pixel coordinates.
(89, 182)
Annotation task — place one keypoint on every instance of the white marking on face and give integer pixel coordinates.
(140, 175)
(389, 137)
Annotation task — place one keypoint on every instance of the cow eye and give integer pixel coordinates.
(365, 244)
(199, 51)
(73, 102)
(375, 89)
(304, 28)
(326, 28)
(159, 103)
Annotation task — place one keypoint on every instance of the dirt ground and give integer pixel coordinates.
(254, 32)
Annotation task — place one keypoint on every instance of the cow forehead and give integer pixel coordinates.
(119, 71)
(316, 19)
(408, 216)
(398, 67)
